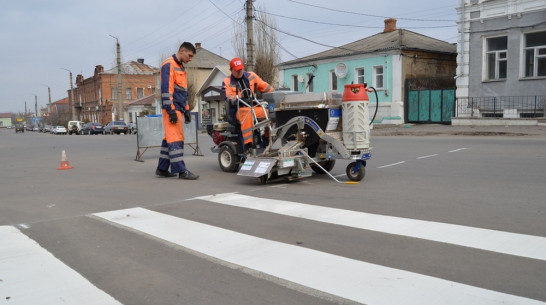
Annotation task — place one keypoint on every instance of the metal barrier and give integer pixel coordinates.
(150, 134)
(502, 106)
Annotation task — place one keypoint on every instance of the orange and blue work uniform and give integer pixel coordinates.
(232, 88)
(174, 97)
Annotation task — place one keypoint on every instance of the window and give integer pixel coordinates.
(496, 57)
(535, 54)
(333, 80)
(309, 85)
(114, 93)
(128, 93)
(359, 76)
(140, 92)
(295, 82)
(378, 77)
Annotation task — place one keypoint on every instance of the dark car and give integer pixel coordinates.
(116, 127)
(19, 127)
(92, 128)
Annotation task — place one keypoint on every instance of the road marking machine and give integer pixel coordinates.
(306, 133)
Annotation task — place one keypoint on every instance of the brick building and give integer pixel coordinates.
(96, 97)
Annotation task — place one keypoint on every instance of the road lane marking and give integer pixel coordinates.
(424, 157)
(393, 164)
(497, 241)
(458, 149)
(29, 274)
(347, 278)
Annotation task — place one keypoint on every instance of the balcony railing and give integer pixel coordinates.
(501, 106)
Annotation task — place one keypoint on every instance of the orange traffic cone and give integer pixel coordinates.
(64, 162)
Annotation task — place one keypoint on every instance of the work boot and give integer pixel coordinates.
(188, 175)
(163, 173)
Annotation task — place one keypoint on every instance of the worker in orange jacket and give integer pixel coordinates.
(242, 83)
(174, 104)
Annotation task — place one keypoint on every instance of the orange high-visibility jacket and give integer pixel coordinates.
(229, 88)
(174, 85)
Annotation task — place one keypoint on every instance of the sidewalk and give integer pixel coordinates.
(440, 129)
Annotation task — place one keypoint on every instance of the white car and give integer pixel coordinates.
(58, 130)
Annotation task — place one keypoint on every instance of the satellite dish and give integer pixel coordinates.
(341, 70)
(300, 78)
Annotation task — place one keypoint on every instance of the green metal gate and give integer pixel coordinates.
(428, 102)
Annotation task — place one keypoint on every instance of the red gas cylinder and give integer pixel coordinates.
(355, 93)
(355, 116)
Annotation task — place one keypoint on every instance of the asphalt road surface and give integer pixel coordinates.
(440, 218)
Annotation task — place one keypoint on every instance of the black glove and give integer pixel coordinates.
(172, 117)
(187, 117)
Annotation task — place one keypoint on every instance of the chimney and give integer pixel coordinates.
(198, 45)
(140, 60)
(390, 25)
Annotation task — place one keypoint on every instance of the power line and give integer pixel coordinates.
(368, 15)
(306, 39)
(352, 25)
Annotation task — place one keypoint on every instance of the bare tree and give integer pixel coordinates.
(266, 49)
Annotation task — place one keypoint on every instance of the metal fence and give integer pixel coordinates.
(502, 106)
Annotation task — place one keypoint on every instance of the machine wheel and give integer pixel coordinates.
(355, 176)
(328, 165)
(263, 179)
(228, 159)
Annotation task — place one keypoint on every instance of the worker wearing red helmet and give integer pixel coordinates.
(242, 83)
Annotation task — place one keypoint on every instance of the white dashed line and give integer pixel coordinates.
(423, 157)
(389, 165)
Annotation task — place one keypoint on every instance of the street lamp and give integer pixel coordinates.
(72, 96)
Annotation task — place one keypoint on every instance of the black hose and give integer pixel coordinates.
(377, 105)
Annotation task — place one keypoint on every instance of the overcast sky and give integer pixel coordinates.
(39, 39)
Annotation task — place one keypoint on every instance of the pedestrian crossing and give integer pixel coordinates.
(29, 274)
(335, 275)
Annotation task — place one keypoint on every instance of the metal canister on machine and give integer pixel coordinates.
(356, 117)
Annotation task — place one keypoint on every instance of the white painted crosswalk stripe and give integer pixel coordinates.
(347, 278)
(498, 241)
(29, 274)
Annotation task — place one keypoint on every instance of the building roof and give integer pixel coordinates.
(398, 39)
(146, 100)
(204, 59)
(222, 70)
(134, 67)
(4, 115)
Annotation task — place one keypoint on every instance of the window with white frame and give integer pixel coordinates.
(535, 54)
(359, 76)
(294, 82)
(127, 93)
(140, 92)
(378, 77)
(309, 85)
(333, 80)
(114, 93)
(496, 58)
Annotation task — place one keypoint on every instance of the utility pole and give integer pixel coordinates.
(49, 94)
(118, 60)
(249, 35)
(71, 97)
(36, 105)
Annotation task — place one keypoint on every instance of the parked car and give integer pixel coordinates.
(92, 128)
(74, 127)
(116, 127)
(47, 128)
(19, 127)
(58, 130)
